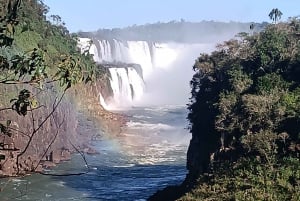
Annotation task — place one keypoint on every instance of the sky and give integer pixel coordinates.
(91, 15)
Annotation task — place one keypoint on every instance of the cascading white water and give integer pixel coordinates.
(166, 70)
(126, 52)
(127, 86)
(102, 102)
(94, 51)
(137, 84)
(121, 53)
(139, 52)
(105, 51)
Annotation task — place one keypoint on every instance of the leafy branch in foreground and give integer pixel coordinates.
(48, 68)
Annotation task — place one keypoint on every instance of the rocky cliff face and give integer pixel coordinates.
(47, 136)
(52, 141)
(87, 100)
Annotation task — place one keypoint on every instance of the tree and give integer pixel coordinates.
(244, 118)
(275, 15)
(35, 71)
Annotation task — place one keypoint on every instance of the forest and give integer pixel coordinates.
(245, 116)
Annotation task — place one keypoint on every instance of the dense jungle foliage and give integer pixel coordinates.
(37, 56)
(245, 118)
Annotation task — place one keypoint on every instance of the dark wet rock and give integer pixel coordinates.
(90, 151)
(169, 193)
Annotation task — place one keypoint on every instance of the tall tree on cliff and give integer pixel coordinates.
(275, 15)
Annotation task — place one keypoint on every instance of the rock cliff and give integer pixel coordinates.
(35, 144)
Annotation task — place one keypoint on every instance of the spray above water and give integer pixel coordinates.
(166, 69)
(169, 82)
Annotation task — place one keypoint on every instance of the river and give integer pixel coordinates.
(149, 155)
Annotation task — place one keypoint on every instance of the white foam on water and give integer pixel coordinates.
(148, 126)
(60, 183)
(124, 166)
(18, 180)
(142, 117)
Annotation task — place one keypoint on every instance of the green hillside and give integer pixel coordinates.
(245, 118)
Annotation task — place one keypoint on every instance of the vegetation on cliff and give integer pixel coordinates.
(39, 62)
(245, 116)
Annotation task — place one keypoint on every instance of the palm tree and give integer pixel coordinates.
(275, 15)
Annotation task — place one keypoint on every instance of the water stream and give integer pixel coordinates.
(149, 155)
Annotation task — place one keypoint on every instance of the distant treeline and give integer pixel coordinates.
(174, 31)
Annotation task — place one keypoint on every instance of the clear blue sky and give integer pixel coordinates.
(90, 15)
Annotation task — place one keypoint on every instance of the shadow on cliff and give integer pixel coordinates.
(171, 193)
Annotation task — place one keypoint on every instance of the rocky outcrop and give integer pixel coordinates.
(40, 140)
(87, 100)
(38, 137)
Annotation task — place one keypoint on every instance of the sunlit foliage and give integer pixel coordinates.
(244, 117)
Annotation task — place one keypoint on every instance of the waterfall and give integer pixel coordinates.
(102, 102)
(105, 54)
(127, 86)
(164, 67)
(137, 52)
(94, 51)
(129, 62)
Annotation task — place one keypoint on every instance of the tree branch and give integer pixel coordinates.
(55, 105)
(72, 174)
(52, 141)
